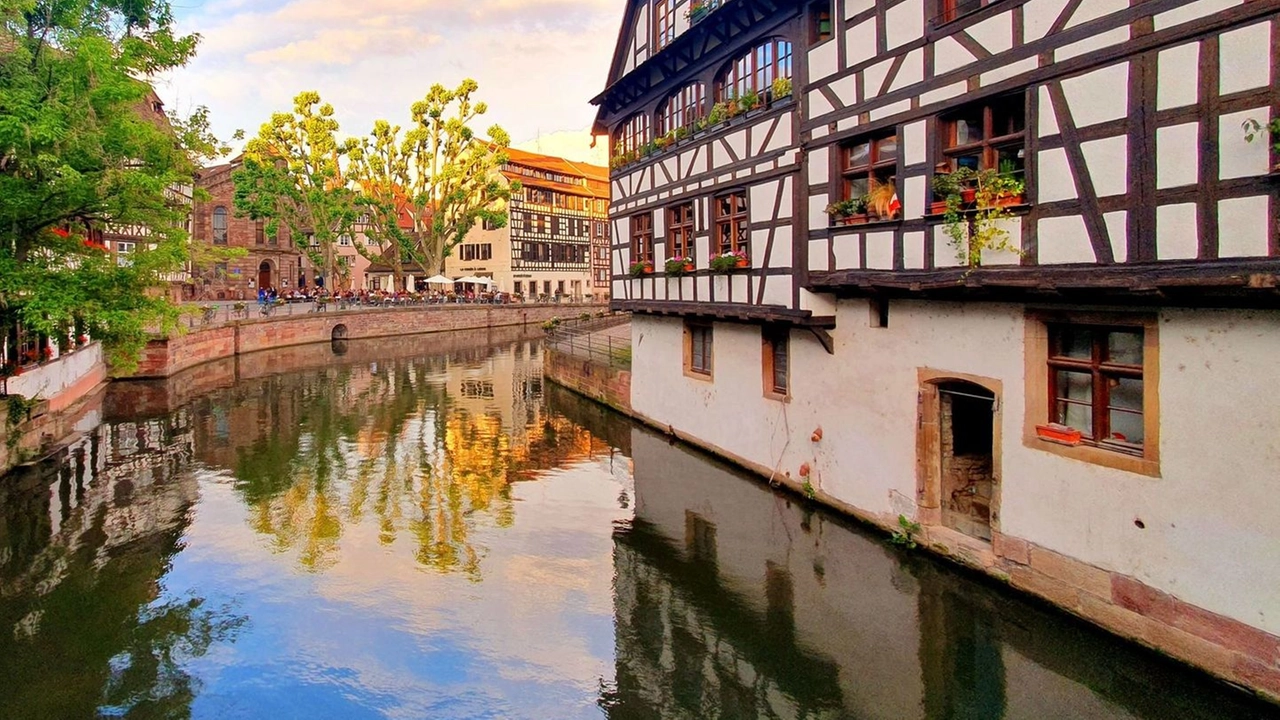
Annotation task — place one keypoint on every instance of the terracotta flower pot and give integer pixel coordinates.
(969, 195)
(938, 207)
(1010, 200)
(689, 268)
(742, 263)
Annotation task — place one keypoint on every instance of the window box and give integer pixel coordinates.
(1061, 434)
(859, 219)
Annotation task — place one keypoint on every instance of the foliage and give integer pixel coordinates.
(638, 269)
(677, 266)
(83, 144)
(719, 113)
(438, 180)
(1254, 130)
(750, 100)
(906, 532)
(978, 228)
(846, 208)
(294, 177)
(809, 491)
(551, 324)
(781, 88)
(725, 262)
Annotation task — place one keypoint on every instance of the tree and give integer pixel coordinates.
(83, 145)
(294, 174)
(440, 179)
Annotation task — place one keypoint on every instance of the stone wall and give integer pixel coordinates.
(166, 357)
(602, 383)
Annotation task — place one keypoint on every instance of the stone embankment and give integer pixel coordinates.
(168, 356)
(594, 360)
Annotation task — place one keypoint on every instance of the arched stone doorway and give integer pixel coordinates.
(959, 453)
(266, 278)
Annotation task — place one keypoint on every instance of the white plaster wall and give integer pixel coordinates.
(1210, 536)
(51, 379)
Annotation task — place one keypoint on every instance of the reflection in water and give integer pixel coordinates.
(419, 528)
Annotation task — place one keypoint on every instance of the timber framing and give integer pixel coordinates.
(738, 312)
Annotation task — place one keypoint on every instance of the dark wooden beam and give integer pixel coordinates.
(733, 312)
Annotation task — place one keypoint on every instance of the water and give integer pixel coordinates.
(423, 529)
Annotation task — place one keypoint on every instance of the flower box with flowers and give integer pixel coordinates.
(640, 269)
(679, 266)
(725, 262)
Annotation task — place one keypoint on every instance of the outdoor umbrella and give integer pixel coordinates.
(439, 280)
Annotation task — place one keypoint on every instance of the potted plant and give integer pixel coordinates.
(781, 88)
(882, 201)
(679, 266)
(699, 9)
(724, 262)
(750, 100)
(975, 225)
(849, 212)
(1012, 191)
(719, 113)
(638, 269)
(944, 186)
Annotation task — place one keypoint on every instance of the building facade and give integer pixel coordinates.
(268, 262)
(556, 241)
(1004, 269)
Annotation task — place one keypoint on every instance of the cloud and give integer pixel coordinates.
(538, 62)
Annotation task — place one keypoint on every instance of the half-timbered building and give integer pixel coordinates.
(1005, 269)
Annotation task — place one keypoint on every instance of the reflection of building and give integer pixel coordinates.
(1018, 266)
(733, 601)
(269, 262)
(556, 239)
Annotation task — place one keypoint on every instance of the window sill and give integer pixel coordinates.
(779, 397)
(879, 222)
(1095, 455)
(695, 375)
(1018, 210)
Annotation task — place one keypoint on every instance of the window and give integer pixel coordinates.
(642, 238)
(476, 251)
(820, 22)
(220, 270)
(344, 240)
(697, 355)
(869, 163)
(680, 231)
(731, 222)
(777, 361)
(259, 233)
(664, 23)
(518, 287)
(1096, 384)
(632, 135)
(123, 251)
(683, 108)
(756, 70)
(988, 136)
(952, 9)
(219, 225)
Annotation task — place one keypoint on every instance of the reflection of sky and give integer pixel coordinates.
(375, 635)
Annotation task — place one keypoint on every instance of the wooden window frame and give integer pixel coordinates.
(632, 134)
(221, 236)
(642, 238)
(1040, 402)
(817, 12)
(737, 222)
(692, 335)
(680, 231)
(989, 147)
(664, 23)
(682, 108)
(1101, 369)
(952, 10)
(773, 338)
(259, 233)
(874, 167)
(756, 70)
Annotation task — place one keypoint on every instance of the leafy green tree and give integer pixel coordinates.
(84, 146)
(440, 178)
(294, 175)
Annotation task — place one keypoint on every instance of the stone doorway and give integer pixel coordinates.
(265, 279)
(958, 454)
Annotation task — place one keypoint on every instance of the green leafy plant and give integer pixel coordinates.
(848, 208)
(905, 534)
(750, 100)
(719, 113)
(724, 262)
(638, 269)
(809, 490)
(678, 266)
(1254, 130)
(781, 88)
(977, 229)
(551, 324)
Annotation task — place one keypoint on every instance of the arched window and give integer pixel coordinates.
(219, 225)
(756, 70)
(682, 108)
(631, 135)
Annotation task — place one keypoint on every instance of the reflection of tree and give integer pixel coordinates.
(84, 627)
(407, 444)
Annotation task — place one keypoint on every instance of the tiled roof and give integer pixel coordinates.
(597, 177)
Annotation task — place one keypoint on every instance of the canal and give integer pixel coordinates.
(423, 529)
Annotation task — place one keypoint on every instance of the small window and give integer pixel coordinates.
(1096, 384)
(777, 361)
(697, 356)
(820, 22)
(664, 23)
(259, 233)
(219, 225)
(869, 167)
(680, 231)
(953, 9)
(731, 233)
(642, 238)
(987, 136)
(518, 287)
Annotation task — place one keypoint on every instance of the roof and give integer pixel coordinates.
(597, 177)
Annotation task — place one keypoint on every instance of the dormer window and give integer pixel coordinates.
(756, 70)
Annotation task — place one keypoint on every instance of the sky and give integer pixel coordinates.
(538, 62)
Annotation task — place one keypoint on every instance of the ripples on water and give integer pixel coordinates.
(421, 529)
